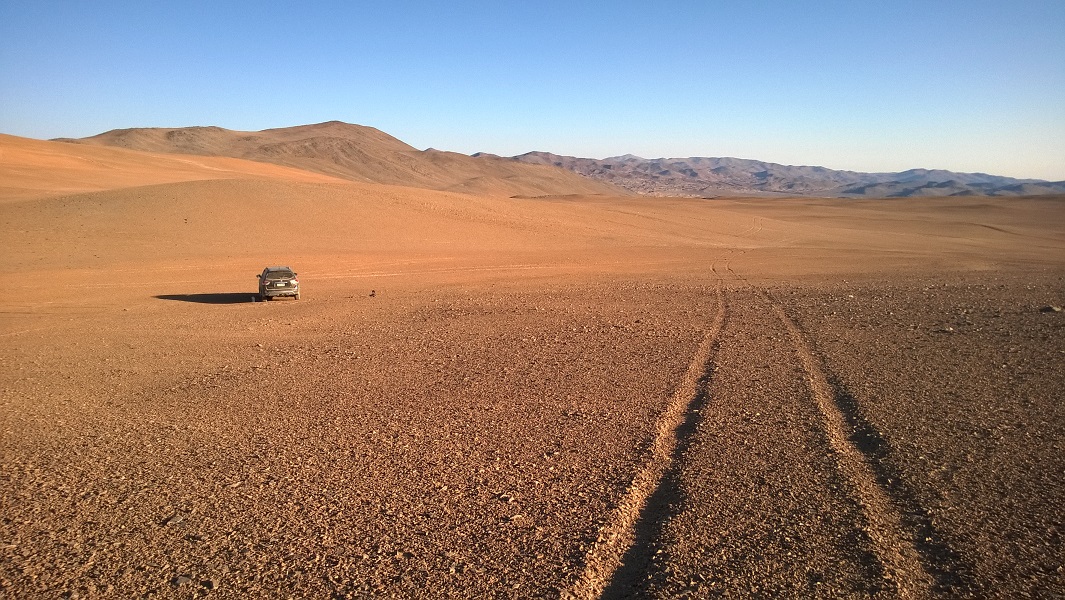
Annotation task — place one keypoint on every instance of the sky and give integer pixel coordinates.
(970, 86)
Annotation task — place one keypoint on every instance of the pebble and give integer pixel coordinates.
(181, 580)
(1049, 309)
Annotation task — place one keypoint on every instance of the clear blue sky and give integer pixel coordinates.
(967, 85)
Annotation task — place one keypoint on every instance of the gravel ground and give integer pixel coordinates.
(756, 504)
(663, 399)
(954, 387)
(469, 442)
(459, 443)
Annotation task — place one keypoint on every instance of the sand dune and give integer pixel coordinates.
(479, 395)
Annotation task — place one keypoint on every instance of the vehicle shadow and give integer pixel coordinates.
(229, 298)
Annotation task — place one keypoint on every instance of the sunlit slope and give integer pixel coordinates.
(345, 229)
(363, 154)
(34, 168)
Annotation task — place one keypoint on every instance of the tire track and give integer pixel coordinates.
(949, 570)
(617, 538)
(894, 547)
(907, 540)
(759, 506)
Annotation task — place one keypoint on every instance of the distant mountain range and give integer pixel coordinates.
(360, 153)
(712, 177)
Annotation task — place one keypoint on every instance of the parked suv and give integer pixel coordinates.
(278, 281)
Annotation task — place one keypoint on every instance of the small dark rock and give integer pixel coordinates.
(211, 584)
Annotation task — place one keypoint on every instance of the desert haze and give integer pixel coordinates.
(505, 380)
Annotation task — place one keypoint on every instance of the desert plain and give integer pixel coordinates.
(519, 395)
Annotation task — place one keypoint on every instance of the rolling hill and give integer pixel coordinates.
(34, 169)
(365, 154)
(358, 153)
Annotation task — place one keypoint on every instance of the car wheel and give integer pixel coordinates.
(297, 296)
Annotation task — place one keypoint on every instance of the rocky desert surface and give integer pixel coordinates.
(576, 396)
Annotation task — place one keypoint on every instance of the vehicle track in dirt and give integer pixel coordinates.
(907, 543)
(753, 502)
(933, 376)
(622, 548)
(894, 547)
(949, 572)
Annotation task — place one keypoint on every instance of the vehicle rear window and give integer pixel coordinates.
(279, 274)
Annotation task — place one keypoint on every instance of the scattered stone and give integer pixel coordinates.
(211, 584)
(174, 519)
(181, 580)
(1050, 309)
